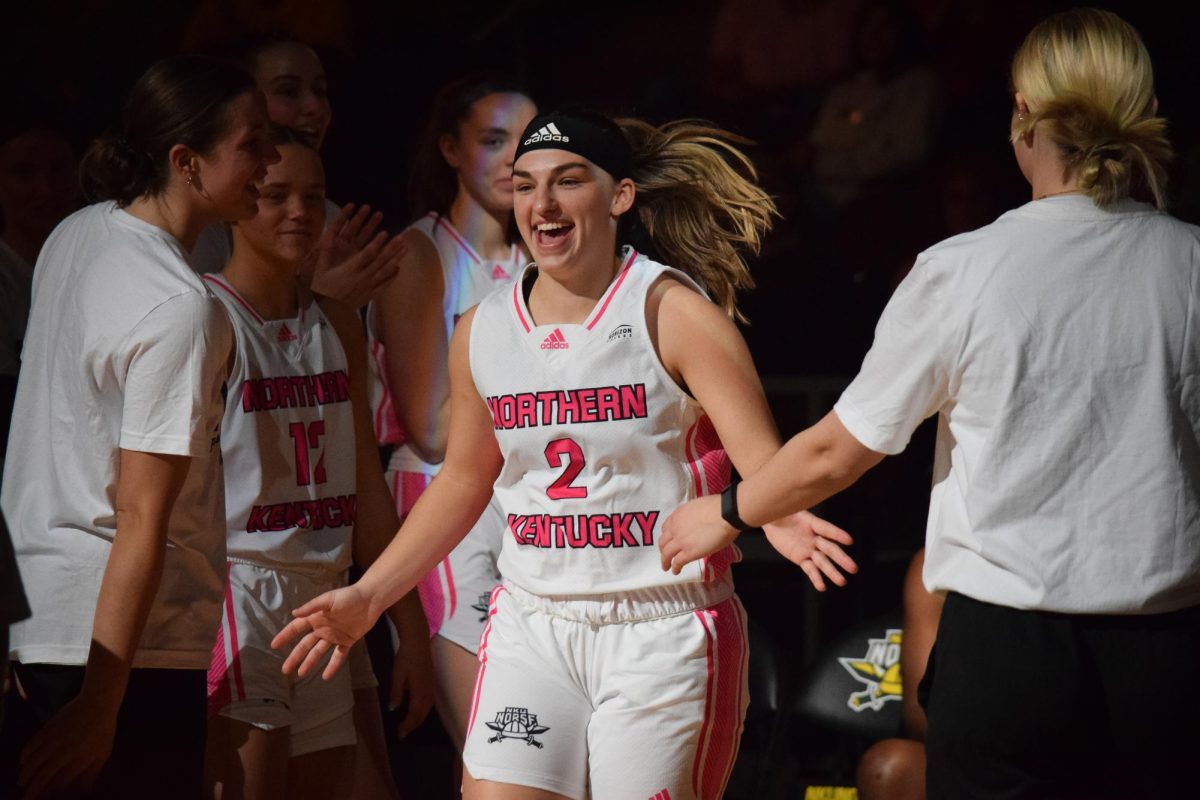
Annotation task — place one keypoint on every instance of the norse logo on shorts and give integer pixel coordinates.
(621, 332)
(482, 606)
(517, 723)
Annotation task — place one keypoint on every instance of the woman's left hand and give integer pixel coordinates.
(814, 545)
(696, 529)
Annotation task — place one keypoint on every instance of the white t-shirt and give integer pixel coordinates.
(600, 444)
(126, 349)
(1059, 347)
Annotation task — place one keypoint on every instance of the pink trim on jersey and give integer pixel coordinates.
(710, 467)
(232, 293)
(517, 305)
(720, 734)
(483, 643)
(388, 428)
(440, 219)
(617, 285)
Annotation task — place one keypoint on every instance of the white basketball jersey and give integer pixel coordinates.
(467, 278)
(600, 444)
(287, 440)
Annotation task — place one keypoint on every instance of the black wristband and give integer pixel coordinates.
(729, 509)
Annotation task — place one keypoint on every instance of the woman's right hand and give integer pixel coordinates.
(331, 621)
(352, 262)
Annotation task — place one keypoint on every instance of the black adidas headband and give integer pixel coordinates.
(584, 133)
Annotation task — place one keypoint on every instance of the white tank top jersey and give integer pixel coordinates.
(287, 440)
(467, 278)
(600, 444)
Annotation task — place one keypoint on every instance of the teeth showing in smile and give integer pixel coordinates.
(553, 226)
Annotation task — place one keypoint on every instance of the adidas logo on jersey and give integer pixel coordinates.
(286, 335)
(498, 273)
(555, 341)
(548, 133)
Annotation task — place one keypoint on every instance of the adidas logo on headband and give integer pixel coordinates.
(547, 133)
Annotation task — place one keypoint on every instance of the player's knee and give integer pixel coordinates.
(893, 769)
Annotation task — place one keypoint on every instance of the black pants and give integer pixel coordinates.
(1031, 704)
(158, 751)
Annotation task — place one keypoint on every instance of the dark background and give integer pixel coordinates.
(824, 275)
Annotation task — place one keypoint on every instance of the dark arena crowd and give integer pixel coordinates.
(393, 393)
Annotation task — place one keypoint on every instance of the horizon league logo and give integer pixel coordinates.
(879, 669)
(621, 332)
(547, 133)
(517, 723)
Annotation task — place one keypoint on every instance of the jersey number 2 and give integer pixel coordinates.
(562, 489)
(308, 437)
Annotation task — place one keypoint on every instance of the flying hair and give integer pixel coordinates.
(699, 201)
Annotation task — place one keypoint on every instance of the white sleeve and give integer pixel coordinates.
(904, 377)
(177, 358)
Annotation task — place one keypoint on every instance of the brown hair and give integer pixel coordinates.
(181, 100)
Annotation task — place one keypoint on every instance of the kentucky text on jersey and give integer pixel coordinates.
(324, 512)
(563, 407)
(295, 391)
(584, 530)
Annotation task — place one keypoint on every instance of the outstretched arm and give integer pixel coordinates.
(813, 465)
(442, 516)
(703, 350)
(375, 524)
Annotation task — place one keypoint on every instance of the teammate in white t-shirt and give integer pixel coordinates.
(460, 251)
(301, 476)
(1058, 347)
(112, 485)
(596, 394)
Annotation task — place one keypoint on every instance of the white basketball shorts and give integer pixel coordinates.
(620, 698)
(245, 679)
(455, 593)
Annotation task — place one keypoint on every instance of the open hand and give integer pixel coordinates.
(352, 262)
(814, 545)
(333, 621)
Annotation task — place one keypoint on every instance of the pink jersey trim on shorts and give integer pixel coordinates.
(483, 643)
(720, 733)
(225, 670)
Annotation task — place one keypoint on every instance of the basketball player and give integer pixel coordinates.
(302, 476)
(596, 394)
(457, 253)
